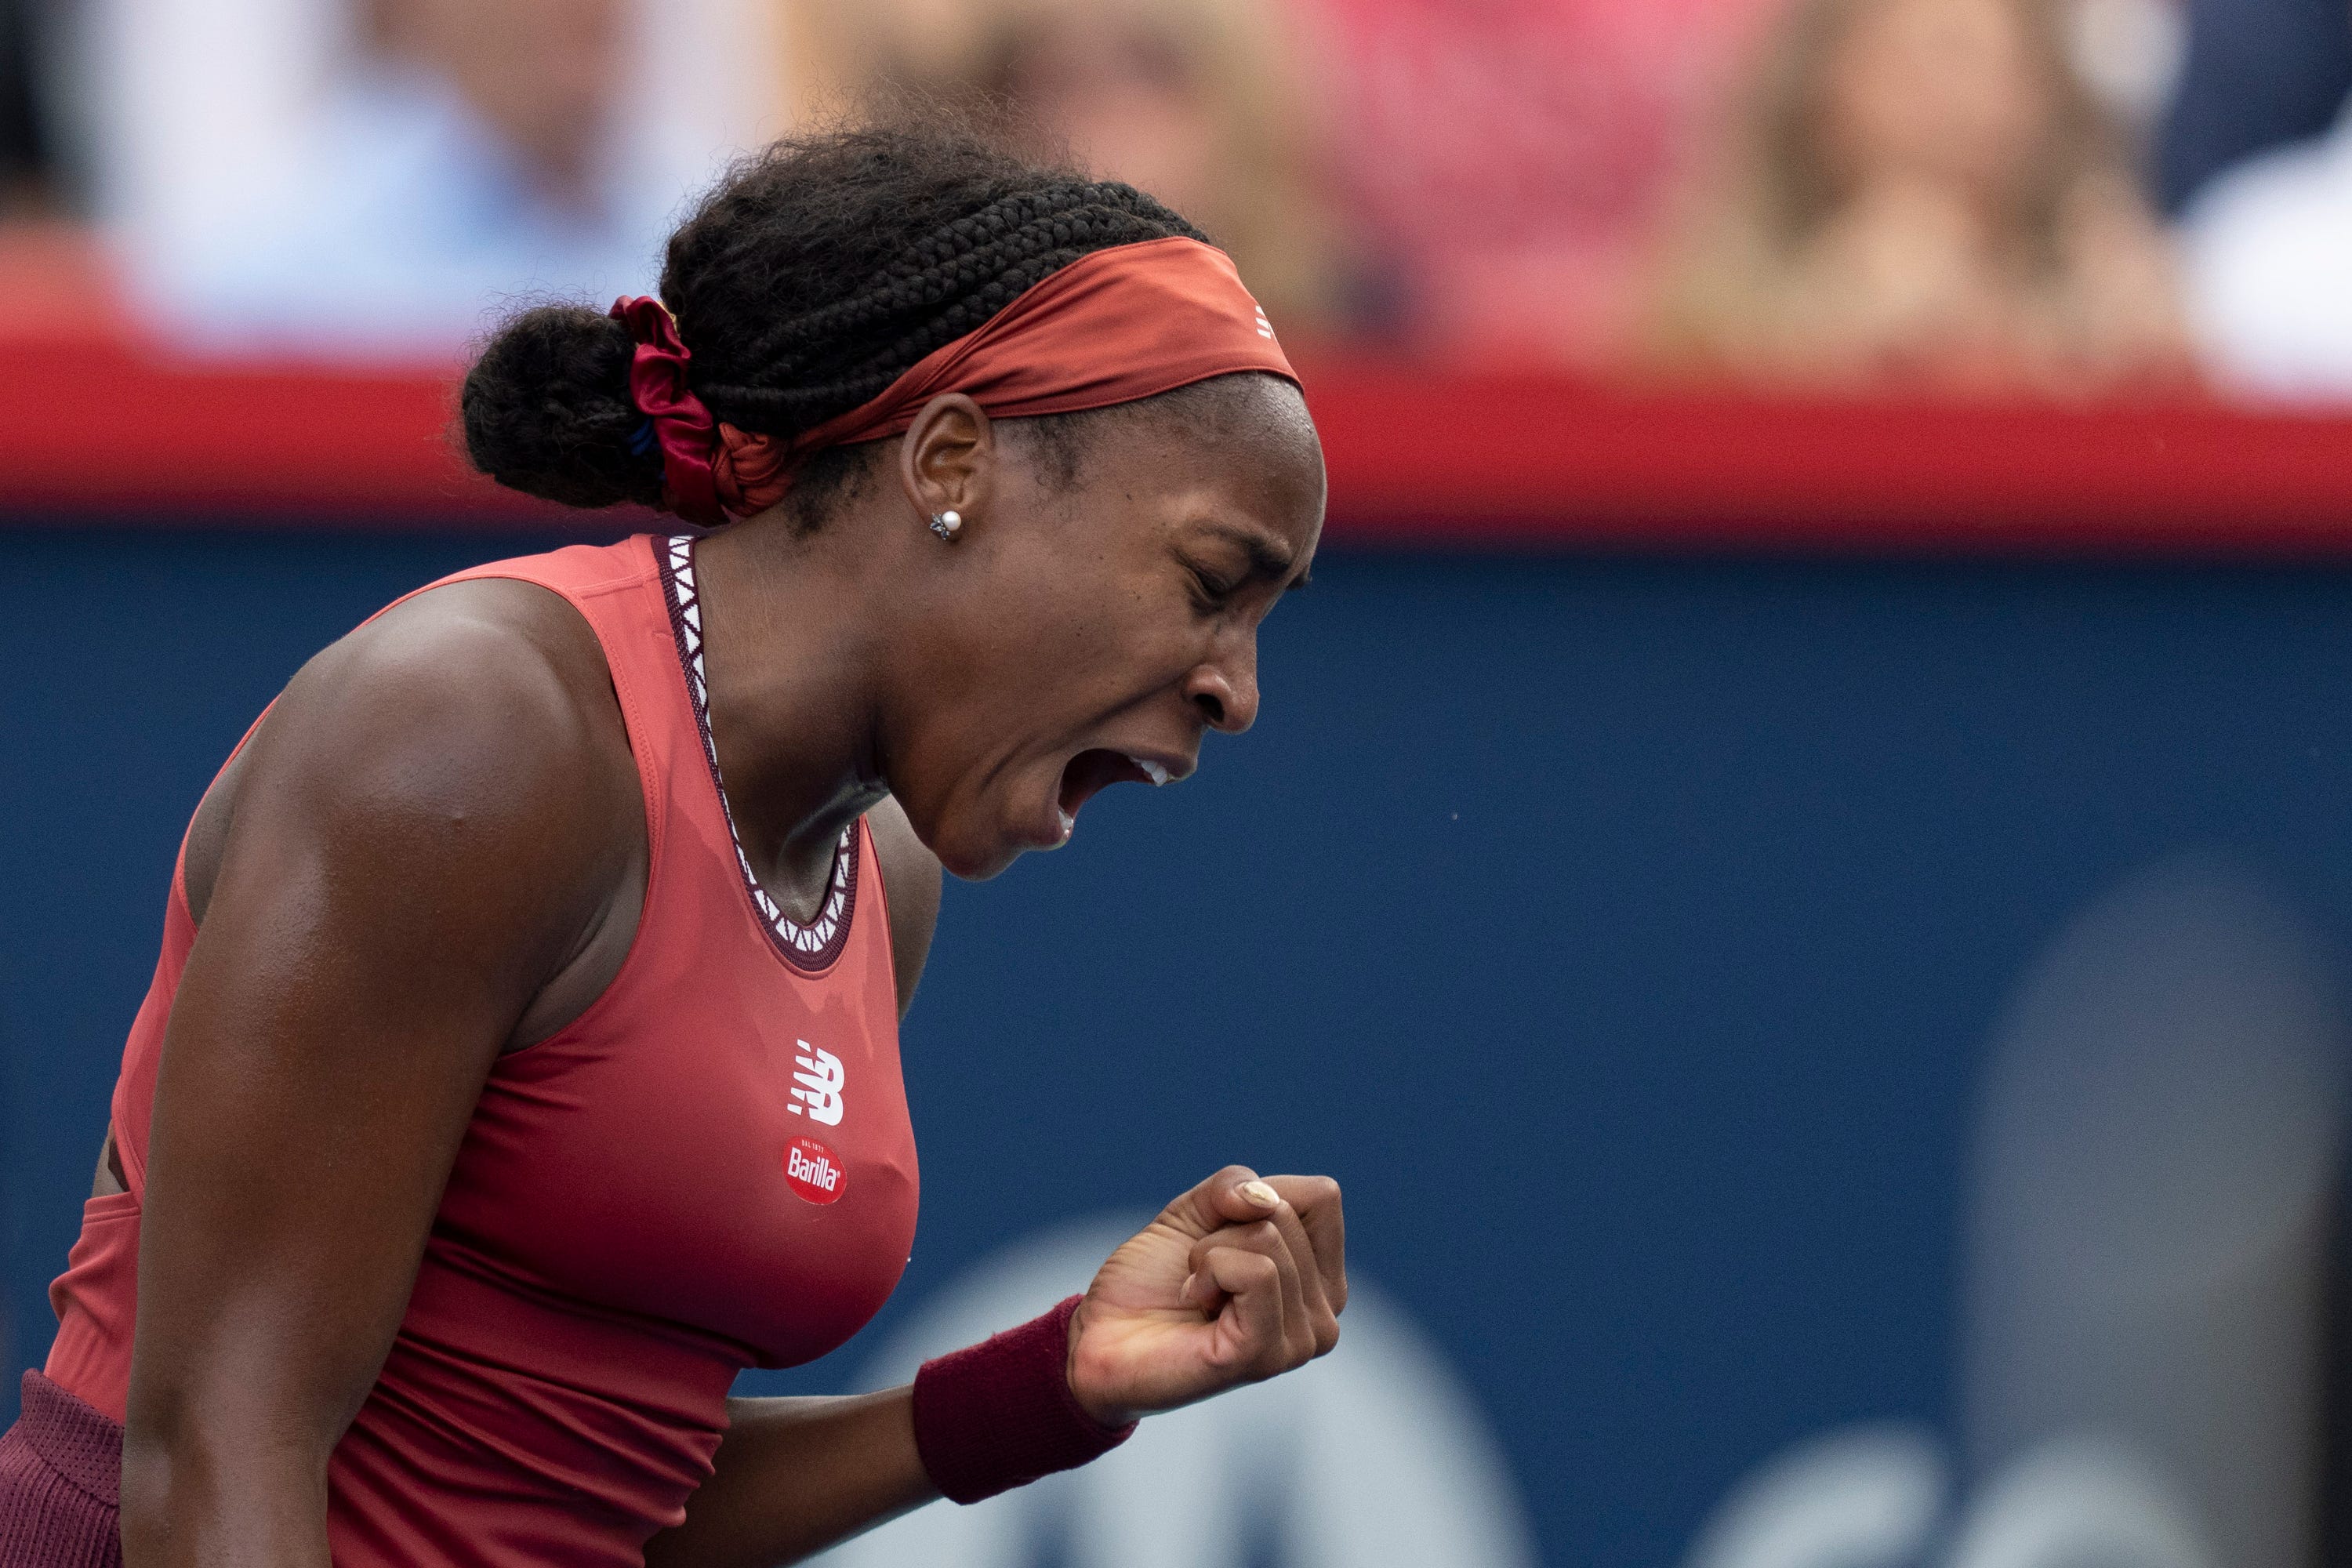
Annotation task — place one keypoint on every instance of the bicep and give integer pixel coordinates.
(301, 1131)
(912, 874)
(409, 858)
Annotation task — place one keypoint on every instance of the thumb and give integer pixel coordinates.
(1233, 1195)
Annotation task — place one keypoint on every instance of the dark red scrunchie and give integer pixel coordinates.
(683, 424)
(1001, 1414)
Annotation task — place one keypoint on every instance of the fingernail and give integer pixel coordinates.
(1261, 1194)
(1185, 1295)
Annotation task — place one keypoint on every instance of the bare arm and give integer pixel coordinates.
(426, 829)
(794, 1476)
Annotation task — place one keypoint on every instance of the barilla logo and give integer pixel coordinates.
(814, 1170)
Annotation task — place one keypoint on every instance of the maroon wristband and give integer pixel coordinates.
(1001, 1414)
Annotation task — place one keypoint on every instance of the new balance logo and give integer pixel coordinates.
(820, 1079)
(1265, 327)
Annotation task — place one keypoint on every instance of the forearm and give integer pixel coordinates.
(794, 1476)
(189, 1502)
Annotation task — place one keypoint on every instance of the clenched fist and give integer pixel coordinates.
(1239, 1280)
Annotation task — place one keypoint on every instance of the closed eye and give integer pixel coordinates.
(1211, 590)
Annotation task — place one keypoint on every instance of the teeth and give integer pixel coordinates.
(1069, 826)
(1153, 770)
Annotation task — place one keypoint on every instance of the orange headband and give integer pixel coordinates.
(1113, 326)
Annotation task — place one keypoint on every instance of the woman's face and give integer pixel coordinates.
(1948, 92)
(1093, 625)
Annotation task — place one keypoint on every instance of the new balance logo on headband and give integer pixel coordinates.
(819, 1078)
(1265, 327)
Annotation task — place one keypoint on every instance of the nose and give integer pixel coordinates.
(1225, 692)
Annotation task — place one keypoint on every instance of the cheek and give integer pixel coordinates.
(1125, 646)
(1008, 675)
(1067, 618)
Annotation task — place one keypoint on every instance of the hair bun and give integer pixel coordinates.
(546, 410)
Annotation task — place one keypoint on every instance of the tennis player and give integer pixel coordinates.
(522, 1063)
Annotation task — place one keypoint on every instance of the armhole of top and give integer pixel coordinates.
(638, 731)
(179, 895)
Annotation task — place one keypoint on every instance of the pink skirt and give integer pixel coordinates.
(60, 1474)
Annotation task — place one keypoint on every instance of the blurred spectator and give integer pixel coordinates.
(30, 186)
(1507, 161)
(54, 276)
(2269, 253)
(1923, 193)
(377, 176)
(2260, 74)
(2130, 55)
(1202, 103)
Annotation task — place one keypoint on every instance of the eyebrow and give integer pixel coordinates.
(1267, 559)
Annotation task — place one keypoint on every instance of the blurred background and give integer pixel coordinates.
(2070, 198)
(1798, 862)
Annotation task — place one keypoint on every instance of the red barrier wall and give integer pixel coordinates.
(102, 431)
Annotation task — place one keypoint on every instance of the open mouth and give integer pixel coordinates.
(1097, 769)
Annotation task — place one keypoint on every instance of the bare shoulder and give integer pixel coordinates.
(912, 874)
(492, 651)
(472, 729)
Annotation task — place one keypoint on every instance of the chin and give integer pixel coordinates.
(969, 861)
(980, 870)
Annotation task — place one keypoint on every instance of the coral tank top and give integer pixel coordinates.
(711, 1168)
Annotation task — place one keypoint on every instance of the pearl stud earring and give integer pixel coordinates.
(945, 523)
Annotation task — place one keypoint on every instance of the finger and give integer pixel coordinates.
(1216, 1203)
(1241, 1201)
(1317, 1201)
(1300, 1342)
(1322, 1318)
(1251, 1325)
(1201, 1292)
(1230, 1204)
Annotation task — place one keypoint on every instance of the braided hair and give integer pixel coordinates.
(818, 273)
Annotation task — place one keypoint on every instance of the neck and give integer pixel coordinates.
(789, 656)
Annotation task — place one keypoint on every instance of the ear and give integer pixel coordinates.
(947, 462)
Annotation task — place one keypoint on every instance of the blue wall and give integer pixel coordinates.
(1625, 934)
